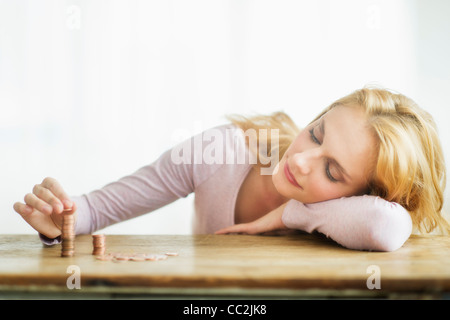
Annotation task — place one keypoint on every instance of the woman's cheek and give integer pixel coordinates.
(321, 191)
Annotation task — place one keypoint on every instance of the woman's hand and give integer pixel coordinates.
(268, 224)
(43, 207)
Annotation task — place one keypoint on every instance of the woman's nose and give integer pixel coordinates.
(303, 162)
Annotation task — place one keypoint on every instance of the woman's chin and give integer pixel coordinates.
(284, 188)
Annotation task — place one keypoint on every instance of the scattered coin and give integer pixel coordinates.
(171, 253)
(99, 250)
(137, 258)
(122, 257)
(105, 257)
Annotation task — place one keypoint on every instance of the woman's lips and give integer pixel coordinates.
(289, 175)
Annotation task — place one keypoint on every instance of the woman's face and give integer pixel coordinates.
(329, 159)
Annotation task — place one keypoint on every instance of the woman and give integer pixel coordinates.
(366, 171)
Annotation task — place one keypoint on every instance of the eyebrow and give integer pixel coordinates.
(337, 164)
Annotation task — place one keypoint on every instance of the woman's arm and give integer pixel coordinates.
(360, 222)
(175, 174)
(148, 189)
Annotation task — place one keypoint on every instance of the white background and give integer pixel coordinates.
(90, 91)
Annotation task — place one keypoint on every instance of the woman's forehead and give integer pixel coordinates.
(349, 140)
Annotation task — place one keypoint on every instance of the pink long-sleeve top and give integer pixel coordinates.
(213, 165)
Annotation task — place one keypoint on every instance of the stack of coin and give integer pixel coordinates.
(98, 241)
(68, 235)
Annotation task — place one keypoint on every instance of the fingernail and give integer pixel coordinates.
(59, 207)
(27, 210)
(67, 204)
(47, 208)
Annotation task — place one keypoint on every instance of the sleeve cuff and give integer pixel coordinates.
(48, 241)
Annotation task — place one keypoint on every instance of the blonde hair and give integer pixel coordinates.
(287, 132)
(410, 166)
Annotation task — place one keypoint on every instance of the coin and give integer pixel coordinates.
(68, 234)
(105, 257)
(99, 244)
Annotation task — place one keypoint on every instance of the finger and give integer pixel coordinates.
(33, 201)
(47, 196)
(54, 186)
(237, 228)
(58, 218)
(22, 209)
(38, 221)
(224, 230)
(71, 210)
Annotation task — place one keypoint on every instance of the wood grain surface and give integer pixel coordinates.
(289, 262)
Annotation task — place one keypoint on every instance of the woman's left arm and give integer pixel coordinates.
(359, 222)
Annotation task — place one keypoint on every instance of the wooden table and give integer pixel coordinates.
(294, 266)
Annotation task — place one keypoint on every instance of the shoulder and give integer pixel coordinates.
(217, 147)
(212, 146)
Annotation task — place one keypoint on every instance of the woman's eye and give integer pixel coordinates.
(327, 166)
(313, 136)
(328, 173)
